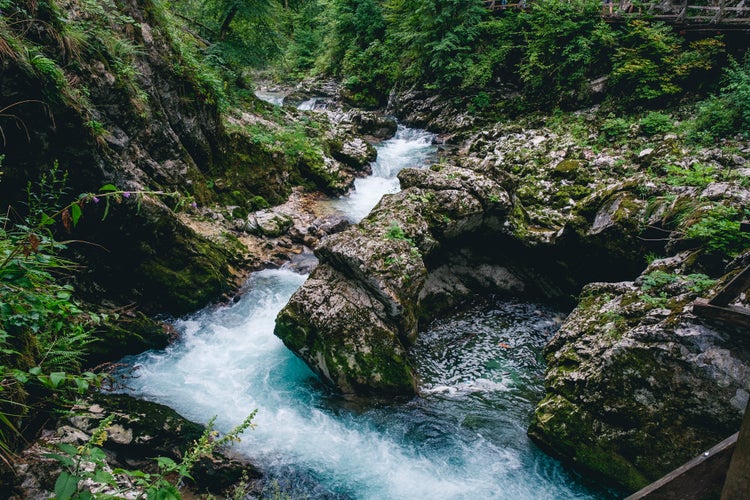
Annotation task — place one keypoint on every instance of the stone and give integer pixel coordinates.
(635, 388)
(140, 432)
(268, 223)
(568, 169)
(330, 224)
(345, 335)
(645, 156)
(356, 153)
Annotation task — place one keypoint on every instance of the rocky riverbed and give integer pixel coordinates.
(636, 383)
(620, 233)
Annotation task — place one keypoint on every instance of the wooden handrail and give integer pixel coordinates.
(734, 12)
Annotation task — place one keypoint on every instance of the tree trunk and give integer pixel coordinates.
(224, 30)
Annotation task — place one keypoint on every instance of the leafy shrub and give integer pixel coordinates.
(658, 280)
(479, 102)
(717, 228)
(655, 123)
(729, 112)
(716, 117)
(650, 62)
(395, 232)
(567, 44)
(614, 129)
(434, 39)
(697, 174)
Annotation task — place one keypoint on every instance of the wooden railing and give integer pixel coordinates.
(674, 11)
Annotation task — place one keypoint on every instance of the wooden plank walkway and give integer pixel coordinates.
(684, 12)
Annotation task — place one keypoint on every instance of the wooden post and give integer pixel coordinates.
(737, 484)
(683, 12)
(719, 13)
(739, 284)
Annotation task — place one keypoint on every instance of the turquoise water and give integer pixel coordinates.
(463, 437)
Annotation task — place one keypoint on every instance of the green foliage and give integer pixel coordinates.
(614, 129)
(498, 52)
(44, 329)
(728, 113)
(302, 26)
(87, 464)
(650, 62)
(395, 232)
(697, 174)
(566, 45)
(553, 51)
(717, 228)
(191, 63)
(655, 123)
(239, 33)
(435, 38)
(654, 301)
(716, 117)
(293, 141)
(661, 282)
(657, 281)
(48, 68)
(479, 102)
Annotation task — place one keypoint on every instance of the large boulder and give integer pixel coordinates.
(354, 318)
(636, 383)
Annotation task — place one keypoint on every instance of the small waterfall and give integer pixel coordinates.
(408, 148)
(314, 104)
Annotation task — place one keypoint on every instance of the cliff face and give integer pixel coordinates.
(93, 88)
(114, 92)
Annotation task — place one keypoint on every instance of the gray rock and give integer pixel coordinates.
(268, 223)
(354, 318)
(636, 386)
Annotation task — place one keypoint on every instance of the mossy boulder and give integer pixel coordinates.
(268, 223)
(145, 253)
(355, 317)
(131, 333)
(139, 433)
(345, 335)
(636, 385)
(355, 152)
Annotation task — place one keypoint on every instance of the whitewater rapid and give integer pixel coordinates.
(464, 437)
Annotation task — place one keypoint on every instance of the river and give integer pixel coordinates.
(463, 437)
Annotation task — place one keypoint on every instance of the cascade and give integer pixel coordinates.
(481, 374)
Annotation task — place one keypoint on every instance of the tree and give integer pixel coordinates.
(228, 10)
(435, 37)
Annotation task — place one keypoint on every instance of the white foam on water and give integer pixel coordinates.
(408, 148)
(228, 363)
(276, 98)
(461, 439)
